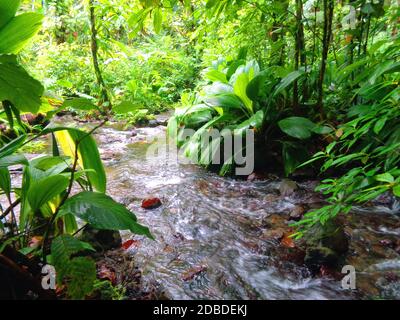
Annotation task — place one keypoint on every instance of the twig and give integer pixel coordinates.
(10, 208)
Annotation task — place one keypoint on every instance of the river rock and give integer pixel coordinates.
(152, 123)
(297, 213)
(101, 240)
(287, 187)
(273, 234)
(325, 245)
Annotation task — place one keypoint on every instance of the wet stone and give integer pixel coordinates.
(276, 234)
(297, 213)
(287, 188)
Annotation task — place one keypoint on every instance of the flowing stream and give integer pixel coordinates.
(213, 233)
(209, 230)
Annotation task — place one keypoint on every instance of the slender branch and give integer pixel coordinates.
(10, 208)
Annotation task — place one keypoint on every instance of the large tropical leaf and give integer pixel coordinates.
(5, 180)
(157, 20)
(88, 154)
(228, 100)
(297, 127)
(8, 9)
(102, 212)
(288, 80)
(12, 160)
(18, 87)
(18, 31)
(80, 104)
(215, 75)
(125, 107)
(239, 88)
(254, 121)
(42, 191)
(12, 146)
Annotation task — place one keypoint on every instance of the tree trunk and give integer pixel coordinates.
(94, 48)
(300, 55)
(326, 38)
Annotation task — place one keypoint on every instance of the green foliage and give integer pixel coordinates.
(368, 146)
(79, 272)
(242, 97)
(88, 155)
(17, 86)
(108, 291)
(102, 212)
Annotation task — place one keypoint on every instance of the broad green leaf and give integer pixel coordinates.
(125, 107)
(239, 88)
(218, 88)
(228, 100)
(17, 32)
(256, 85)
(254, 121)
(5, 180)
(396, 190)
(196, 119)
(12, 160)
(102, 212)
(88, 154)
(8, 9)
(157, 20)
(80, 104)
(215, 75)
(288, 80)
(12, 146)
(297, 127)
(385, 177)
(318, 129)
(233, 67)
(42, 191)
(18, 87)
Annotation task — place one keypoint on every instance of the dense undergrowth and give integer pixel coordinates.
(317, 82)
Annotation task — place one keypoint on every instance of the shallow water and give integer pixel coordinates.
(208, 230)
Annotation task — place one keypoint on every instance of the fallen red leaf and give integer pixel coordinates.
(151, 203)
(127, 244)
(287, 241)
(191, 273)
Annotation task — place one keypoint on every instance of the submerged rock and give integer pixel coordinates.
(273, 234)
(152, 123)
(101, 240)
(297, 213)
(325, 245)
(287, 187)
